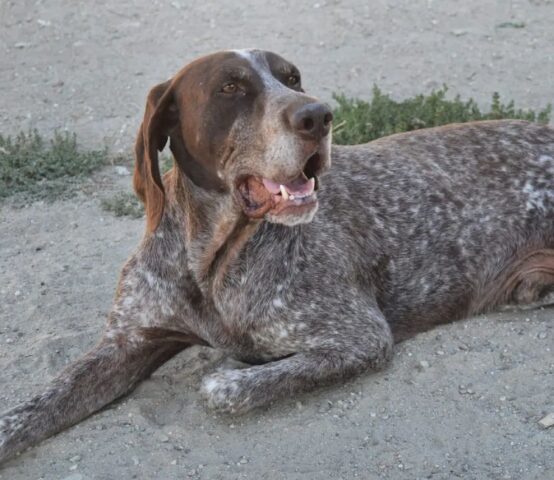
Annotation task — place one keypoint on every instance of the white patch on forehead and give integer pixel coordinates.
(258, 62)
(244, 52)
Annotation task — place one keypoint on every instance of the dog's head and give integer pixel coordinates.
(239, 122)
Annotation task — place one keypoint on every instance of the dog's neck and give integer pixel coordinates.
(215, 229)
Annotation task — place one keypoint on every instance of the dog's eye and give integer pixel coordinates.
(230, 88)
(293, 80)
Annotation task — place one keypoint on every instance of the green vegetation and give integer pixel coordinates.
(357, 121)
(127, 204)
(511, 25)
(124, 204)
(44, 169)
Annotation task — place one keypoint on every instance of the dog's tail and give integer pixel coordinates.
(105, 373)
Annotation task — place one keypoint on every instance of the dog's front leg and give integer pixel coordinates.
(105, 373)
(237, 391)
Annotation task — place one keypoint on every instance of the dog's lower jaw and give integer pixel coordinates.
(292, 219)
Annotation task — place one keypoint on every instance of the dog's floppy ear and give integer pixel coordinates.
(160, 116)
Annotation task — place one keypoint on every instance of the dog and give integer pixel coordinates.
(256, 246)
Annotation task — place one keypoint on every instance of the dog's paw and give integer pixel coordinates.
(10, 426)
(225, 391)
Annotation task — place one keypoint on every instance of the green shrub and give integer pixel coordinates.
(123, 204)
(44, 169)
(357, 121)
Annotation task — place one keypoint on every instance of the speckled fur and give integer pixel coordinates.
(412, 230)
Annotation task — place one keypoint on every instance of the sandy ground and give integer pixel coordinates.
(461, 401)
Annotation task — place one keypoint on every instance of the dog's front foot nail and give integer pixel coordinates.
(223, 392)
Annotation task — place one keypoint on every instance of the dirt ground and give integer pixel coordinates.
(462, 401)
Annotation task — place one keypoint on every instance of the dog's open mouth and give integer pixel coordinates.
(260, 195)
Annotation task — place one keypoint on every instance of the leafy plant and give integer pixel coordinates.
(44, 169)
(357, 121)
(123, 204)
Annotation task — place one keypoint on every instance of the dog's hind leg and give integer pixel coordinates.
(535, 279)
(107, 372)
(524, 281)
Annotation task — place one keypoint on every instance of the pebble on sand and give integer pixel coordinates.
(548, 421)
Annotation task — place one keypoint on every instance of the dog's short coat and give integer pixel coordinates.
(411, 231)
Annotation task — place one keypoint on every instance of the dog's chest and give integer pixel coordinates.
(263, 315)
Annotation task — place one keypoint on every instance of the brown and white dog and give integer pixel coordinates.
(411, 231)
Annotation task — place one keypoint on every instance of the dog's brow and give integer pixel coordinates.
(237, 73)
(260, 65)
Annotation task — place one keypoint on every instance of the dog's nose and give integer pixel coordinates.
(312, 120)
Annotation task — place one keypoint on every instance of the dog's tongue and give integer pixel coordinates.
(300, 186)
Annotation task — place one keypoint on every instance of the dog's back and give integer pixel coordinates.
(441, 214)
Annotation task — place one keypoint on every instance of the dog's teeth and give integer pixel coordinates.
(284, 192)
(291, 197)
